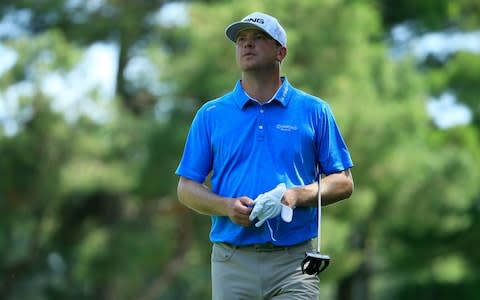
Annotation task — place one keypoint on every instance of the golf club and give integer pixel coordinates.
(315, 262)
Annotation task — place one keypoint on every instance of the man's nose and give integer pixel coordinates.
(249, 42)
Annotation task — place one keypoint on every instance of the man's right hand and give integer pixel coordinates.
(239, 210)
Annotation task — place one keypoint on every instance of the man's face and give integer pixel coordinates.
(256, 50)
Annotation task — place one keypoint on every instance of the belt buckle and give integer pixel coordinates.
(267, 247)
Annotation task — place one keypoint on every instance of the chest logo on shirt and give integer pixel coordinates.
(285, 127)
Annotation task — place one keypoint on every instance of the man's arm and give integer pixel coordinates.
(335, 187)
(199, 198)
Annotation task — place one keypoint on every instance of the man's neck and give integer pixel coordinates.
(262, 88)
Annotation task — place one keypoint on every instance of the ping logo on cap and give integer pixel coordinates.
(254, 20)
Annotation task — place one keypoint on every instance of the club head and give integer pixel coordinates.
(314, 263)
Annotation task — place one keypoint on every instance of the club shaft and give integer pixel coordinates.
(319, 232)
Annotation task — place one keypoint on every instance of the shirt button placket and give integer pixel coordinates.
(260, 125)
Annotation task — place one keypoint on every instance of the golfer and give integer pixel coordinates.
(264, 144)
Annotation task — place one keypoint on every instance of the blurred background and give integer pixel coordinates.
(96, 98)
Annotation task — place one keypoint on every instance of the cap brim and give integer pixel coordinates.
(233, 29)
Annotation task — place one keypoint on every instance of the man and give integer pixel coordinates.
(264, 144)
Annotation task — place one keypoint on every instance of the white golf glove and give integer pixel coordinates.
(269, 205)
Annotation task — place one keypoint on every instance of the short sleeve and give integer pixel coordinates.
(196, 161)
(333, 153)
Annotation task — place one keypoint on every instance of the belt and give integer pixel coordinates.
(265, 247)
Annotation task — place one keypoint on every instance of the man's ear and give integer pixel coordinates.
(281, 53)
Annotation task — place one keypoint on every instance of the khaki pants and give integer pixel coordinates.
(249, 273)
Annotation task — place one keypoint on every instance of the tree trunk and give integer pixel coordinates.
(356, 285)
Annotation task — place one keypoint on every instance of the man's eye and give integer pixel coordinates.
(260, 37)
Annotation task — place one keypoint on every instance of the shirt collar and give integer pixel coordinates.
(241, 98)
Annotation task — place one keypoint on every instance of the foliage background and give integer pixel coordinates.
(88, 206)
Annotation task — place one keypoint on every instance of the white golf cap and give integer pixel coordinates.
(261, 21)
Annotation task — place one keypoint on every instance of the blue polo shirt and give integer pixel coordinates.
(250, 148)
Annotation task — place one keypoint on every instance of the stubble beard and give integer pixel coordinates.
(253, 67)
